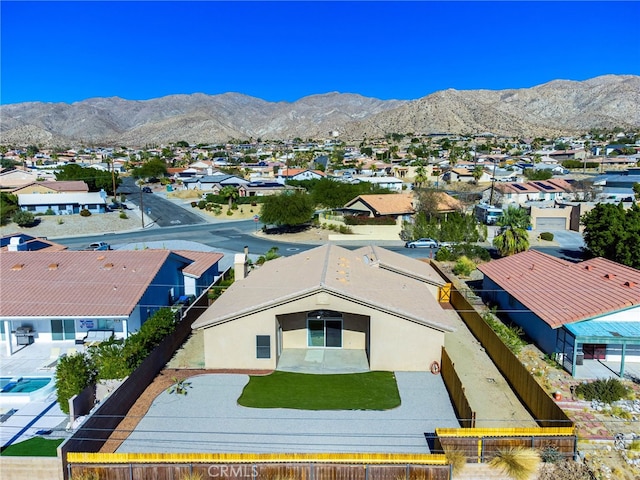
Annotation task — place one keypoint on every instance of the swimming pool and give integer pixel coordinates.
(24, 389)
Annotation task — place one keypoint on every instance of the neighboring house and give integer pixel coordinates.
(21, 242)
(534, 191)
(465, 175)
(15, 178)
(399, 206)
(66, 186)
(298, 174)
(261, 189)
(379, 304)
(390, 183)
(61, 295)
(214, 183)
(63, 203)
(574, 311)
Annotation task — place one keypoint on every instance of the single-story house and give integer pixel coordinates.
(11, 179)
(371, 301)
(66, 186)
(261, 189)
(60, 295)
(63, 203)
(390, 183)
(396, 205)
(298, 174)
(214, 183)
(575, 312)
(533, 191)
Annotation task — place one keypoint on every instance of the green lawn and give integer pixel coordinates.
(356, 391)
(34, 447)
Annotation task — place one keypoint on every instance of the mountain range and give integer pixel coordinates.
(559, 107)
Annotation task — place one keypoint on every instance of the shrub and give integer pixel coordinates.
(550, 454)
(229, 212)
(510, 335)
(471, 251)
(23, 219)
(345, 230)
(360, 220)
(457, 459)
(194, 204)
(604, 390)
(444, 254)
(49, 211)
(517, 462)
(85, 213)
(109, 360)
(548, 236)
(202, 204)
(123, 215)
(464, 266)
(74, 373)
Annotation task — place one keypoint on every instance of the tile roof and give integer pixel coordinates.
(76, 283)
(202, 261)
(65, 185)
(371, 276)
(562, 292)
(387, 204)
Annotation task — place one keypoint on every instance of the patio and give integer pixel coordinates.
(323, 360)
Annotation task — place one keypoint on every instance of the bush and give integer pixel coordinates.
(109, 361)
(510, 335)
(49, 211)
(345, 230)
(604, 390)
(202, 204)
(444, 254)
(123, 215)
(359, 220)
(548, 236)
(85, 213)
(471, 251)
(23, 219)
(74, 373)
(518, 463)
(464, 266)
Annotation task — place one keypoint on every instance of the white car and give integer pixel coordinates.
(422, 242)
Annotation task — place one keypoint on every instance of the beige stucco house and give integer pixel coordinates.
(371, 300)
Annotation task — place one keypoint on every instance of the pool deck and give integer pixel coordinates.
(24, 418)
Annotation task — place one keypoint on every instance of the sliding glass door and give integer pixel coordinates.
(324, 329)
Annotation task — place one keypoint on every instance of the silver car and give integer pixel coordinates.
(422, 242)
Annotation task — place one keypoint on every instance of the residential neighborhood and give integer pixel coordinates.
(522, 296)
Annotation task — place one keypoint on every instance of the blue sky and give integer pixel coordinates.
(282, 51)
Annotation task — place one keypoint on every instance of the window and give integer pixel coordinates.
(263, 346)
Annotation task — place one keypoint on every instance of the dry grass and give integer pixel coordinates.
(457, 459)
(518, 463)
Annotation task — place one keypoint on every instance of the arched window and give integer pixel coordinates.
(324, 329)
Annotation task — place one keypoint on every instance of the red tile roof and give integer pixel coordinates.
(76, 283)
(562, 292)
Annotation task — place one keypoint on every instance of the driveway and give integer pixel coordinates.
(208, 419)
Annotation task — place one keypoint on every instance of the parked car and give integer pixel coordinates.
(99, 246)
(147, 190)
(422, 242)
(118, 206)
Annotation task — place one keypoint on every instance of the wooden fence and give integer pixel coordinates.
(466, 416)
(543, 408)
(481, 444)
(327, 466)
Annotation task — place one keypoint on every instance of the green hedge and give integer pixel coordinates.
(548, 236)
(454, 252)
(357, 220)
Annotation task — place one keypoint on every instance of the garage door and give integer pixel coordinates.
(550, 223)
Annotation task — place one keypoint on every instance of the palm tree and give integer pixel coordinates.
(477, 173)
(513, 237)
(421, 176)
(230, 193)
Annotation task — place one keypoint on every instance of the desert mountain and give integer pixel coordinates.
(557, 107)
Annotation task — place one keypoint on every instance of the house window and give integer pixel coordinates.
(263, 346)
(63, 329)
(324, 329)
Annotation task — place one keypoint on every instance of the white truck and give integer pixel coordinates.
(487, 214)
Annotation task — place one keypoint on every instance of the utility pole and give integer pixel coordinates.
(141, 205)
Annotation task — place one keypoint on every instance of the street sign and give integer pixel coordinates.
(256, 218)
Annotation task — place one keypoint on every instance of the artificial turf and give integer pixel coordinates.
(302, 391)
(34, 447)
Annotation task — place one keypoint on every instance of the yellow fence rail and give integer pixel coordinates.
(505, 432)
(338, 458)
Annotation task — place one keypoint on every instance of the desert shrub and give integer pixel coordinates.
(511, 336)
(202, 204)
(518, 463)
(123, 215)
(471, 251)
(229, 212)
(548, 236)
(604, 390)
(464, 266)
(194, 204)
(49, 211)
(23, 219)
(345, 230)
(550, 454)
(85, 213)
(457, 459)
(564, 470)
